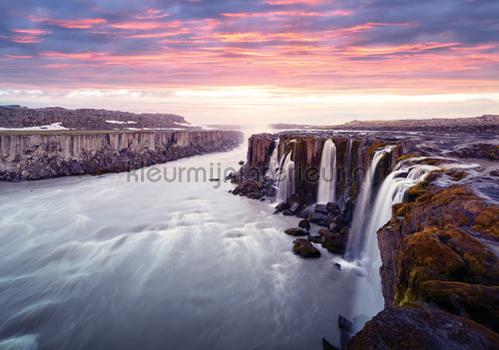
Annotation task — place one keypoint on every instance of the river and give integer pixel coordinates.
(103, 263)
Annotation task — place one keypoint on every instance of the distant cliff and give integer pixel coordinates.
(483, 124)
(38, 155)
(86, 119)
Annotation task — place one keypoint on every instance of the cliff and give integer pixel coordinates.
(39, 155)
(354, 152)
(439, 271)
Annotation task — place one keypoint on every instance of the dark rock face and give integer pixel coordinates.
(37, 156)
(422, 327)
(85, 119)
(305, 249)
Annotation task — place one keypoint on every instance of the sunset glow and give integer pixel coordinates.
(212, 60)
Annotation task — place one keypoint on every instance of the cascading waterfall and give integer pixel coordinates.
(356, 240)
(286, 183)
(392, 191)
(327, 180)
(274, 162)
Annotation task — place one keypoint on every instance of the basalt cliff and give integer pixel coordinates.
(39, 155)
(425, 205)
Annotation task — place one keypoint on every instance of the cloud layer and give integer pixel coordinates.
(386, 46)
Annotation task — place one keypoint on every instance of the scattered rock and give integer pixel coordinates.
(295, 232)
(305, 249)
(338, 266)
(315, 238)
(305, 224)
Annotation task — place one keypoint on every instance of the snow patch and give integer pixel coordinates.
(53, 126)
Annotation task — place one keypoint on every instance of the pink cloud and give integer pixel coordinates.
(71, 24)
(145, 25)
(31, 31)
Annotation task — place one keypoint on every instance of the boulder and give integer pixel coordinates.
(422, 327)
(321, 208)
(304, 224)
(315, 238)
(305, 249)
(295, 232)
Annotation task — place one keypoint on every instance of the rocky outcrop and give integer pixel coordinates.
(33, 156)
(439, 269)
(438, 249)
(85, 119)
(422, 327)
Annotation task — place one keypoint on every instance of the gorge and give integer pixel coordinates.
(399, 231)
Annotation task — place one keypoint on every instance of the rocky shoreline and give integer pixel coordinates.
(39, 155)
(439, 250)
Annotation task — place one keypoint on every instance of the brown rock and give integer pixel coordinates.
(295, 232)
(422, 327)
(305, 249)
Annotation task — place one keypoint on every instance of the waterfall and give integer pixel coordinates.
(370, 300)
(392, 192)
(286, 181)
(356, 240)
(274, 162)
(327, 180)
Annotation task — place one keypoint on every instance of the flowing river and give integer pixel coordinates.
(102, 263)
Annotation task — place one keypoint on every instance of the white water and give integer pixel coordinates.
(100, 263)
(274, 162)
(357, 234)
(369, 301)
(327, 181)
(286, 181)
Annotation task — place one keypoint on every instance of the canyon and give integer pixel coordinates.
(416, 213)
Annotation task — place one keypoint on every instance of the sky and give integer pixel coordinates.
(254, 61)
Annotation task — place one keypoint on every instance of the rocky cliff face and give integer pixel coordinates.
(32, 156)
(439, 256)
(306, 151)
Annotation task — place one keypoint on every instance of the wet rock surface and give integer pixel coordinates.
(305, 249)
(422, 327)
